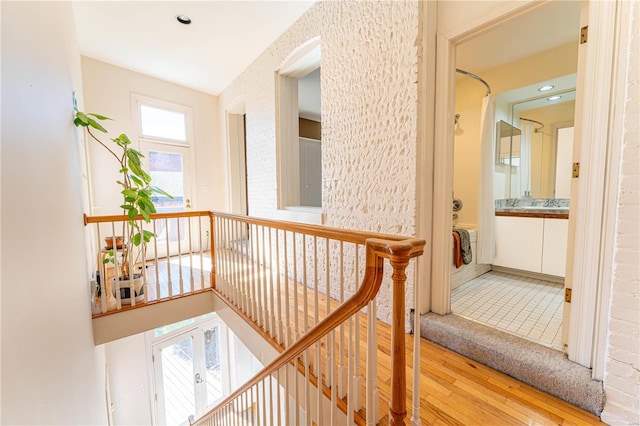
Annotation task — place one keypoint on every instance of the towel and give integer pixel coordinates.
(457, 253)
(465, 245)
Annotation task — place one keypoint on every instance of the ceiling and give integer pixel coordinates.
(222, 40)
(553, 24)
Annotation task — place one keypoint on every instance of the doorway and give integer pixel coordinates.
(170, 169)
(532, 81)
(188, 372)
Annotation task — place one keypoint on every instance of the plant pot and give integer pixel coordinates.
(109, 242)
(125, 289)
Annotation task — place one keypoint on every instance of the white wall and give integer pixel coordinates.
(622, 365)
(369, 117)
(108, 91)
(129, 380)
(51, 371)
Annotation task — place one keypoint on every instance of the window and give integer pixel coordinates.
(162, 123)
(164, 132)
(300, 153)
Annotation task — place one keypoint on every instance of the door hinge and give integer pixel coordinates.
(584, 34)
(576, 170)
(567, 295)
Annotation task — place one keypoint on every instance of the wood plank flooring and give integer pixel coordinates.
(454, 390)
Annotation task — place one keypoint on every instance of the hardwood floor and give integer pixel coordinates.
(454, 390)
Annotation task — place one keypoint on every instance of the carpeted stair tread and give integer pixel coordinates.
(541, 367)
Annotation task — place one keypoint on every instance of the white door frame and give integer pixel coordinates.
(234, 118)
(593, 220)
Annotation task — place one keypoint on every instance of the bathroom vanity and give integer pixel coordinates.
(532, 235)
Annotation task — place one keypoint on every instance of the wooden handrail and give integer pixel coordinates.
(357, 237)
(399, 252)
(125, 218)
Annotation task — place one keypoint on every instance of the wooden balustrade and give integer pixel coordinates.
(172, 264)
(306, 288)
(284, 277)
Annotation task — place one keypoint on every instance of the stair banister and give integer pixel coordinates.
(399, 252)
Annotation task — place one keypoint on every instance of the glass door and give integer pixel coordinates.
(188, 373)
(169, 166)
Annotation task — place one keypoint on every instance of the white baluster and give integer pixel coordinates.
(168, 260)
(372, 360)
(180, 275)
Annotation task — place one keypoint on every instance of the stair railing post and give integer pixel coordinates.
(397, 408)
(212, 249)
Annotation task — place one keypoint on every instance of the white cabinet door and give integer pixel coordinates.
(519, 243)
(554, 246)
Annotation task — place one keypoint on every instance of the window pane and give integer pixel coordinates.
(178, 382)
(212, 360)
(165, 169)
(162, 123)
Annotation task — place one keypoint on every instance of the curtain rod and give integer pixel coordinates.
(467, 73)
(534, 121)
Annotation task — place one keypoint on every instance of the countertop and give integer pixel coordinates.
(534, 211)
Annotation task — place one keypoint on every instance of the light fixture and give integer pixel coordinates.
(545, 88)
(554, 98)
(183, 19)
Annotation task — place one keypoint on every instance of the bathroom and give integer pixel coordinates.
(515, 160)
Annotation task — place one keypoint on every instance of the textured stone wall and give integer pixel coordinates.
(622, 365)
(369, 118)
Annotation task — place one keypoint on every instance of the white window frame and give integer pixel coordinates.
(137, 100)
(303, 60)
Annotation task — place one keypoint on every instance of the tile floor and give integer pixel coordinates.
(526, 307)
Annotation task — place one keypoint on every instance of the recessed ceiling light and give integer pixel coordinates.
(554, 98)
(183, 19)
(545, 88)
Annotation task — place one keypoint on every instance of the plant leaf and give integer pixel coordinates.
(93, 123)
(83, 118)
(98, 116)
(160, 191)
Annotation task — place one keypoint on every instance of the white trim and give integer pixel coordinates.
(424, 150)
(234, 124)
(618, 25)
(593, 132)
(443, 177)
(287, 142)
(301, 214)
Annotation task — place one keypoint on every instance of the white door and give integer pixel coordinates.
(188, 373)
(170, 169)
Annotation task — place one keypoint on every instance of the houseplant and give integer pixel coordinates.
(137, 194)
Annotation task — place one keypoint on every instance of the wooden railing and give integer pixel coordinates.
(175, 263)
(309, 290)
(304, 287)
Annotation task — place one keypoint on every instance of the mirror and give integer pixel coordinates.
(507, 144)
(541, 152)
(533, 154)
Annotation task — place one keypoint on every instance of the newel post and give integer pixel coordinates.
(397, 407)
(212, 249)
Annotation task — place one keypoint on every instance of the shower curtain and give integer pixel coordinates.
(525, 157)
(486, 244)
